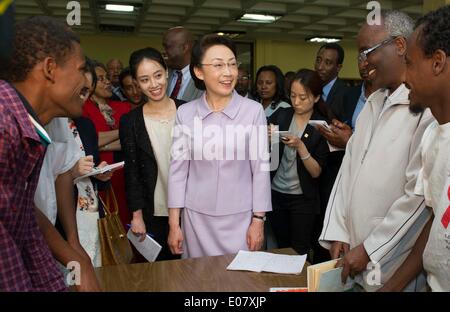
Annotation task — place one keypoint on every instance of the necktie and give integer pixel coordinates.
(177, 87)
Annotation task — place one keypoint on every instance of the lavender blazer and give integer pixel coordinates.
(213, 171)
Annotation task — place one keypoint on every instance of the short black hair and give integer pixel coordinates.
(123, 74)
(435, 33)
(147, 53)
(198, 52)
(289, 74)
(35, 39)
(279, 80)
(337, 48)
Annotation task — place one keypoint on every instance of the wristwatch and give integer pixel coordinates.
(262, 218)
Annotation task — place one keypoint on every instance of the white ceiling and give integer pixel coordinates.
(301, 18)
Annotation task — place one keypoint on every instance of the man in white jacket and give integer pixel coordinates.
(373, 217)
(427, 76)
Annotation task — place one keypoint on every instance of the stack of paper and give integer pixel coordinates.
(258, 261)
(325, 277)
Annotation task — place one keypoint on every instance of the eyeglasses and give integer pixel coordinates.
(220, 66)
(362, 56)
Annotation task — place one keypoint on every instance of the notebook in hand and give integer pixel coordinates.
(97, 170)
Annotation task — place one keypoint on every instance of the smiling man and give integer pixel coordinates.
(373, 216)
(45, 79)
(427, 76)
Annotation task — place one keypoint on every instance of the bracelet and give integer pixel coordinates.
(306, 157)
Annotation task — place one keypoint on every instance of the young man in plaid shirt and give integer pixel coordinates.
(44, 79)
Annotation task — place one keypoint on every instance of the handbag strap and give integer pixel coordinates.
(105, 207)
(113, 208)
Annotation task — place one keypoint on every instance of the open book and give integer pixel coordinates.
(324, 277)
(258, 261)
(97, 170)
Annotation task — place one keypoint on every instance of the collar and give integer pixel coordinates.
(444, 129)
(185, 71)
(329, 85)
(363, 92)
(28, 107)
(399, 96)
(42, 135)
(230, 110)
(273, 105)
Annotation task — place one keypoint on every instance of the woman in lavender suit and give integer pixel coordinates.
(219, 180)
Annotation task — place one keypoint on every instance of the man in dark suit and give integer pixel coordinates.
(178, 43)
(329, 60)
(352, 103)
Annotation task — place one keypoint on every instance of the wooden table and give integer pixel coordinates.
(193, 275)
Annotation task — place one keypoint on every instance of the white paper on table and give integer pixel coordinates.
(149, 248)
(249, 261)
(258, 261)
(285, 264)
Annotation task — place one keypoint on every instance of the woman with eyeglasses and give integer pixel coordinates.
(218, 179)
(106, 114)
(269, 89)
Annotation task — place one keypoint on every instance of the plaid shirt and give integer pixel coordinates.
(26, 263)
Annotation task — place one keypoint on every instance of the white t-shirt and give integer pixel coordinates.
(434, 184)
(61, 155)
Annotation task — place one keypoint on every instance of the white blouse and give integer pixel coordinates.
(160, 133)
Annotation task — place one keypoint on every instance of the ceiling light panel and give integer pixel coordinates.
(119, 8)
